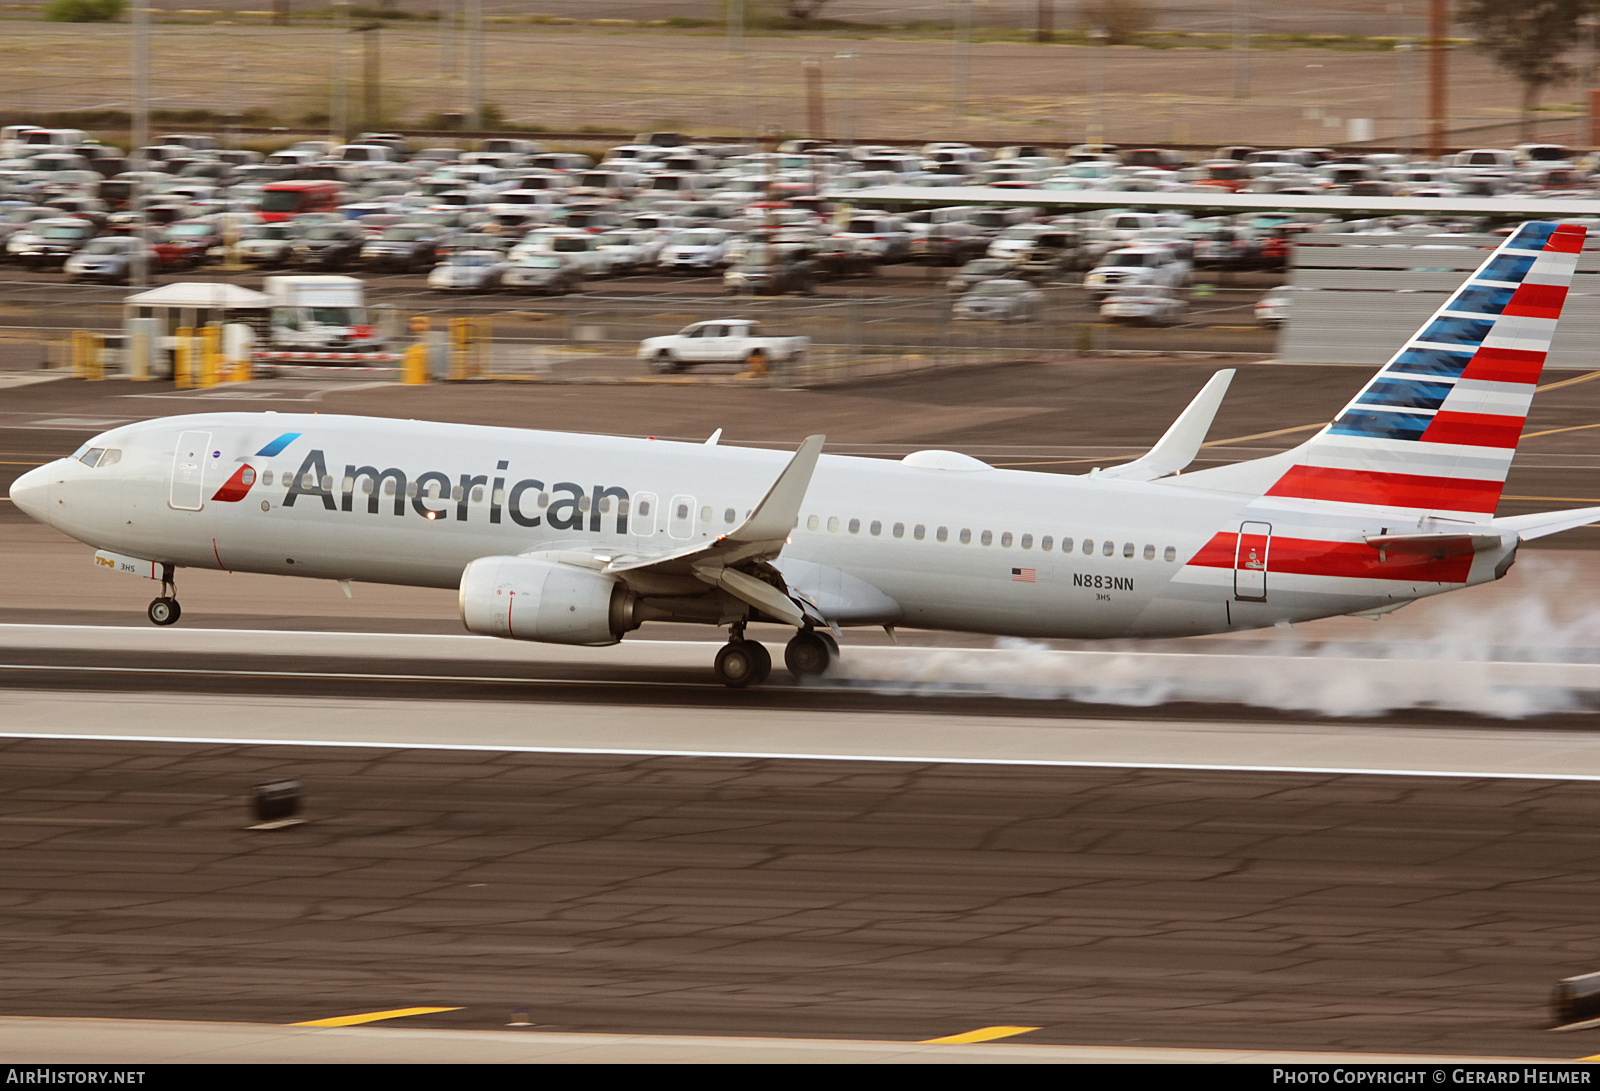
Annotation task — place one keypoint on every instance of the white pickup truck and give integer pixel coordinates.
(723, 341)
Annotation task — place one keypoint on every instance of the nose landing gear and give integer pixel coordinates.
(164, 610)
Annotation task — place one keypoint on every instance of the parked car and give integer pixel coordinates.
(109, 259)
(329, 246)
(50, 242)
(728, 340)
(1144, 305)
(404, 247)
(1157, 265)
(469, 271)
(1272, 309)
(1000, 301)
(783, 273)
(541, 273)
(270, 245)
(976, 272)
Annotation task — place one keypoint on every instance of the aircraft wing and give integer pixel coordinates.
(1177, 448)
(737, 561)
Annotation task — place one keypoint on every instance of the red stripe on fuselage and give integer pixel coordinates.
(1388, 490)
(1474, 429)
(1346, 560)
(237, 486)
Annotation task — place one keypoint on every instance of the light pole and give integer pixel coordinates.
(962, 61)
(140, 133)
(1404, 48)
(1097, 133)
(1588, 22)
(1241, 48)
(850, 96)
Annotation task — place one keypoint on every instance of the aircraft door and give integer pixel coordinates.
(680, 520)
(1250, 562)
(187, 490)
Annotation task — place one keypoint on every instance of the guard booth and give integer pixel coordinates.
(191, 305)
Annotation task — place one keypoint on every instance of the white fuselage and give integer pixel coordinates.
(949, 544)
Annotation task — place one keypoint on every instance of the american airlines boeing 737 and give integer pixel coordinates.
(578, 539)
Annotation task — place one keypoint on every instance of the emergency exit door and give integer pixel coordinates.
(1250, 562)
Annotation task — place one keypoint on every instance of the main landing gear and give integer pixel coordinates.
(743, 663)
(164, 610)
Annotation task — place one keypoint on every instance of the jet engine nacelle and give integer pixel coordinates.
(524, 598)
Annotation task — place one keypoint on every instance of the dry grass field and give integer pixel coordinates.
(903, 88)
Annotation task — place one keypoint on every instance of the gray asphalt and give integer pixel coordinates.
(823, 899)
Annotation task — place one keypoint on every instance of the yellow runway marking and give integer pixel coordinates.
(369, 1017)
(1553, 431)
(1265, 435)
(982, 1034)
(1569, 382)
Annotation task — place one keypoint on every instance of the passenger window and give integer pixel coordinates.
(966, 536)
(729, 516)
(943, 534)
(1171, 554)
(855, 526)
(1066, 544)
(1149, 552)
(477, 494)
(833, 524)
(1005, 539)
(1107, 548)
(811, 522)
(1088, 546)
(987, 537)
(644, 506)
(876, 528)
(1127, 550)
(266, 479)
(919, 532)
(544, 502)
(705, 514)
(899, 530)
(1027, 541)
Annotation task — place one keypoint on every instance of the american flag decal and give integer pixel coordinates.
(1023, 575)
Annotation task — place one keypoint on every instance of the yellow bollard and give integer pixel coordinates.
(482, 343)
(460, 339)
(79, 365)
(183, 359)
(415, 369)
(210, 356)
(95, 344)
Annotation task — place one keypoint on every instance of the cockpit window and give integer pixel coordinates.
(100, 456)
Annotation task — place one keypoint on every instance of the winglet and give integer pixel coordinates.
(1177, 448)
(779, 510)
(712, 441)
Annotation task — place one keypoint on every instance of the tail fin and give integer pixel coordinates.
(1435, 430)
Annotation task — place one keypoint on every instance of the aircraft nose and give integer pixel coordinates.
(31, 493)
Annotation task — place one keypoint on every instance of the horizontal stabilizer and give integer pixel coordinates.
(1529, 527)
(1439, 545)
(1182, 441)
